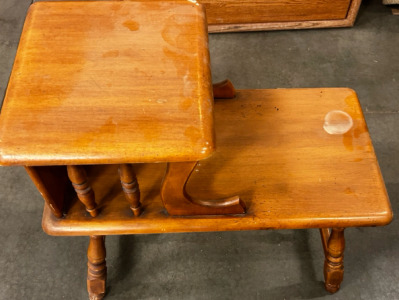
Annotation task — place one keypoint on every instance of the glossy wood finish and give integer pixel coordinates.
(179, 203)
(119, 82)
(334, 246)
(223, 90)
(96, 267)
(173, 192)
(273, 152)
(130, 188)
(303, 15)
(249, 11)
(325, 235)
(52, 183)
(78, 177)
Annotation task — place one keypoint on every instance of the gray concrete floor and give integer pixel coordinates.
(284, 264)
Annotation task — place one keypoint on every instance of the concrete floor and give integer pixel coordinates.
(284, 264)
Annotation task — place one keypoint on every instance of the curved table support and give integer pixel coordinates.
(178, 203)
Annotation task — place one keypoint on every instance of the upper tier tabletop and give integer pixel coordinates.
(109, 82)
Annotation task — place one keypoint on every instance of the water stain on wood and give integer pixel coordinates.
(131, 25)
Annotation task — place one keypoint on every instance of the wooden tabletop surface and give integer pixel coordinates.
(274, 152)
(109, 82)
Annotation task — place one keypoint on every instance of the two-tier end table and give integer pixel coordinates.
(99, 86)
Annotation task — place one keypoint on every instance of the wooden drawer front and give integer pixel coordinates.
(250, 11)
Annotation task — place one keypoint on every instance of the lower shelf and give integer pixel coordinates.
(273, 152)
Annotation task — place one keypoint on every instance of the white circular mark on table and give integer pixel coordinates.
(337, 122)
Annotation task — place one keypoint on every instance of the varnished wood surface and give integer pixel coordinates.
(84, 192)
(131, 188)
(273, 152)
(224, 90)
(300, 22)
(179, 203)
(96, 267)
(109, 82)
(52, 182)
(334, 259)
(249, 11)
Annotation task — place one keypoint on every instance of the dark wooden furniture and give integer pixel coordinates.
(247, 15)
(91, 94)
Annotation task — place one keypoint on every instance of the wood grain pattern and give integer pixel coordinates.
(260, 24)
(249, 11)
(112, 83)
(273, 152)
(52, 183)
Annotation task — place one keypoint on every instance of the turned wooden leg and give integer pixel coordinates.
(78, 177)
(97, 269)
(130, 188)
(224, 90)
(178, 203)
(334, 245)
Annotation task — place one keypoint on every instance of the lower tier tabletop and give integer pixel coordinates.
(276, 151)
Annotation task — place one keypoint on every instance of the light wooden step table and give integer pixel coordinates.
(93, 92)
(273, 151)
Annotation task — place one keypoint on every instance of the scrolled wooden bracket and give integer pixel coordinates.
(178, 203)
(223, 90)
(334, 245)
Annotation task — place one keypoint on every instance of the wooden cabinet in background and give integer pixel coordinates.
(250, 15)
